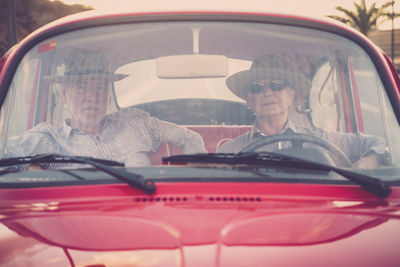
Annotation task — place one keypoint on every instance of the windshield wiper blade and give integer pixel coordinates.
(54, 158)
(107, 166)
(270, 159)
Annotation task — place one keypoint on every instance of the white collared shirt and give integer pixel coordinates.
(126, 136)
(354, 145)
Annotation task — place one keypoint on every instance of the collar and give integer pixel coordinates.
(68, 130)
(255, 132)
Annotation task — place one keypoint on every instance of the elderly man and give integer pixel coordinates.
(269, 88)
(126, 135)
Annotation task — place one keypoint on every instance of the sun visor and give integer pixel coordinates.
(192, 66)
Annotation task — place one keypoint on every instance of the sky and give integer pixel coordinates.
(303, 7)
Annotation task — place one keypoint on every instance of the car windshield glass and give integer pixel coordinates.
(134, 93)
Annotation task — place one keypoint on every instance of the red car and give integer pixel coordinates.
(198, 139)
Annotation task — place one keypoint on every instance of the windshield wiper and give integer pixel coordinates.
(54, 158)
(369, 183)
(107, 166)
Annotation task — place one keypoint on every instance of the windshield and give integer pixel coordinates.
(135, 93)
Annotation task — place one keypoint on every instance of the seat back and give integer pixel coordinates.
(213, 135)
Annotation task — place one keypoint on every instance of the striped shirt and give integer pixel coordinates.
(126, 136)
(354, 145)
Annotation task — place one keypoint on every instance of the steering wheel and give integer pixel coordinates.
(297, 140)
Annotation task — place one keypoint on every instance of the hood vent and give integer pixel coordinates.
(161, 199)
(198, 198)
(235, 199)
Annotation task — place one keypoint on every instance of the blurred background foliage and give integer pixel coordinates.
(30, 15)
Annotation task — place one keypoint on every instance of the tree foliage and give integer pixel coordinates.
(365, 19)
(30, 15)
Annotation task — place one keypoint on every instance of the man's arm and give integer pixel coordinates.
(364, 151)
(33, 142)
(37, 140)
(186, 140)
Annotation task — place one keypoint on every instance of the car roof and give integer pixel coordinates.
(171, 10)
(170, 13)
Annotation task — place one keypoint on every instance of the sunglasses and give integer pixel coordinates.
(274, 85)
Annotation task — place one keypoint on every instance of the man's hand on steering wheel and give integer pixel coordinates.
(298, 150)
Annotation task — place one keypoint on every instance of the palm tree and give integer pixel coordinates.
(364, 19)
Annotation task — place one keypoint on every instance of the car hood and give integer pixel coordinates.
(200, 231)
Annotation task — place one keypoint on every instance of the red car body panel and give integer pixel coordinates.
(203, 224)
